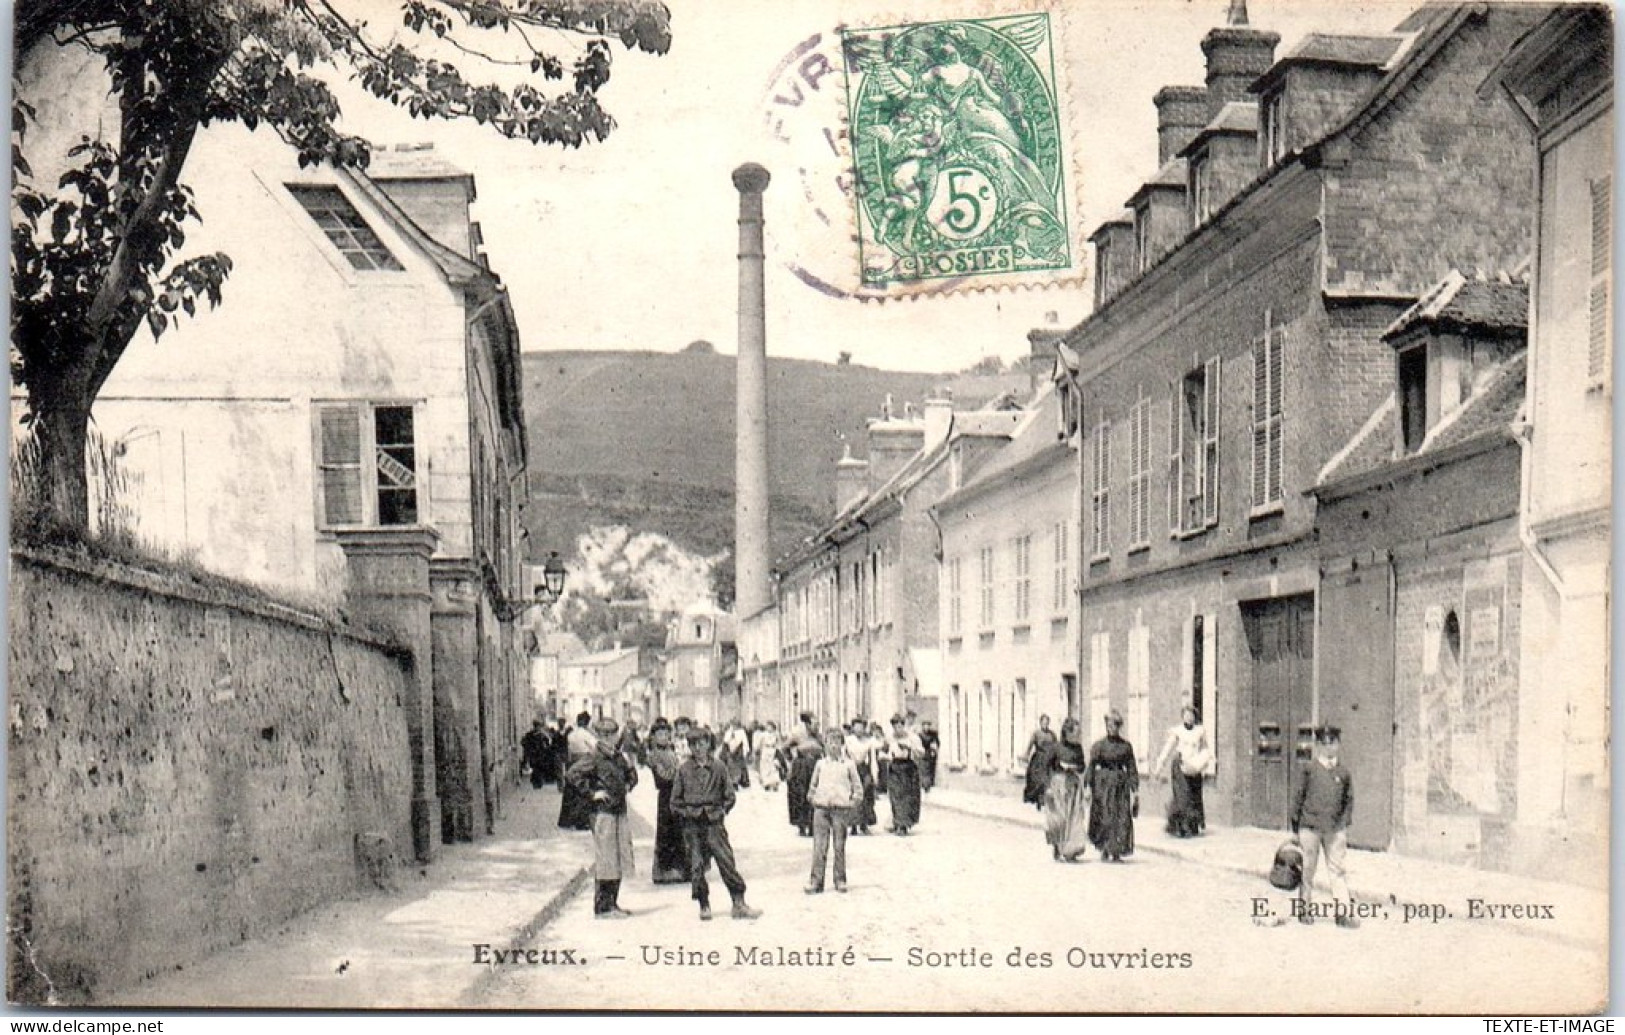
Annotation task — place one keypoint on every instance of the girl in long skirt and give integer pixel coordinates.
(802, 763)
(766, 747)
(1114, 791)
(1192, 759)
(671, 855)
(903, 776)
(1066, 820)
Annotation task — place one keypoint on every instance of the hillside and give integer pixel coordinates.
(646, 440)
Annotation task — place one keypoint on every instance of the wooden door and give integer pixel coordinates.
(1357, 691)
(1281, 647)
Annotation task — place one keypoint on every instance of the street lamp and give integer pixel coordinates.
(552, 585)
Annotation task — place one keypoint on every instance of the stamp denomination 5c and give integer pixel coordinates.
(959, 155)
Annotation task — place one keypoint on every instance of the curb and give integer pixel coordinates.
(527, 935)
(1262, 874)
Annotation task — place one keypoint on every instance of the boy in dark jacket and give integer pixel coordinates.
(603, 778)
(1321, 814)
(701, 797)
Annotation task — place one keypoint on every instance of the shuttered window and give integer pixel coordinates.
(1267, 416)
(367, 464)
(1193, 458)
(1139, 500)
(1022, 548)
(1599, 373)
(1060, 599)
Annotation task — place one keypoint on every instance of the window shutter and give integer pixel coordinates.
(1261, 445)
(1210, 680)
(1602, 218)
(1210, 443)
(1273, 344)
(341, 465)
(1176, 465)
(1136, 516)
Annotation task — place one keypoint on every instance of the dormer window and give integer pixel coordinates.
(1102, 261)
(1201, 189)
(344, 227)
(1142, 238)
(1271, 131)
(1413, 397)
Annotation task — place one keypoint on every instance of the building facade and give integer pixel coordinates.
(700, 667)
(358, 394)
(1242, 349)
(1561, 77)
(1007, 593)
(1419, 599)
(595, 683)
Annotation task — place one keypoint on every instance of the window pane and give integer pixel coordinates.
(394, 424)
(343, 225)
(341, 495)
(397, 506)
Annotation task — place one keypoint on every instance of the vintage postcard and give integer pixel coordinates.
(984, 506)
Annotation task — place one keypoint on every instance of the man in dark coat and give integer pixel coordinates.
(603, 778)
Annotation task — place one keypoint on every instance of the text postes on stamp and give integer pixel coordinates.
(959, 156)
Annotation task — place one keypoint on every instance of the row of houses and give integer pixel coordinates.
(348, 434)
(1333, 447)
(695, 674)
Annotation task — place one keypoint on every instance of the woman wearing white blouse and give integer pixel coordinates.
(1191, 759)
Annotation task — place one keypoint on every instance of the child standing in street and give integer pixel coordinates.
(836, 790)
(702, 797)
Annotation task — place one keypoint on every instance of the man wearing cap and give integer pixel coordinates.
(1321, 813)
(603, 779)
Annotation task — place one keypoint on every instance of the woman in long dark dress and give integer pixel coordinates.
(671, 855)
(804, 750)
(1066, 820)
(1114, 790)
(903, 776)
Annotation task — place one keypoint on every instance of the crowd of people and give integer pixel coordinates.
(832, 778)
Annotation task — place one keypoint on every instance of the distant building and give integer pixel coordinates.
(858, 600)
(546, 681)
(358, 393)
(761, 699)
(701, 666)
(594, 682)
(1007, 595)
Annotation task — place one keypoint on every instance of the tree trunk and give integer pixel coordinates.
(62, 428)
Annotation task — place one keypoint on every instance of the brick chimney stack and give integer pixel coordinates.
(1182, 111)
(1236, 56)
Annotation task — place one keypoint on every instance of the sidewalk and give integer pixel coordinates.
(409, 949)
(1373, 876)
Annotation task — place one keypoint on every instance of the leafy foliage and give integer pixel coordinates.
(97, 254)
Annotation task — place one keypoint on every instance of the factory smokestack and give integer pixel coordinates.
(752, 590)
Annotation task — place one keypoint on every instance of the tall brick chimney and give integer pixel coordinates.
(1182, 111)
(1236, 56)
(752, 574)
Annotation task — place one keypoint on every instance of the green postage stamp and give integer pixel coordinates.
(958, 154)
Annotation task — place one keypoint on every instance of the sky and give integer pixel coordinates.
(630, 243)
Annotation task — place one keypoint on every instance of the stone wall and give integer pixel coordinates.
(187, 768)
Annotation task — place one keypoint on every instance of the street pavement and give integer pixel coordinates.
(968, 913)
